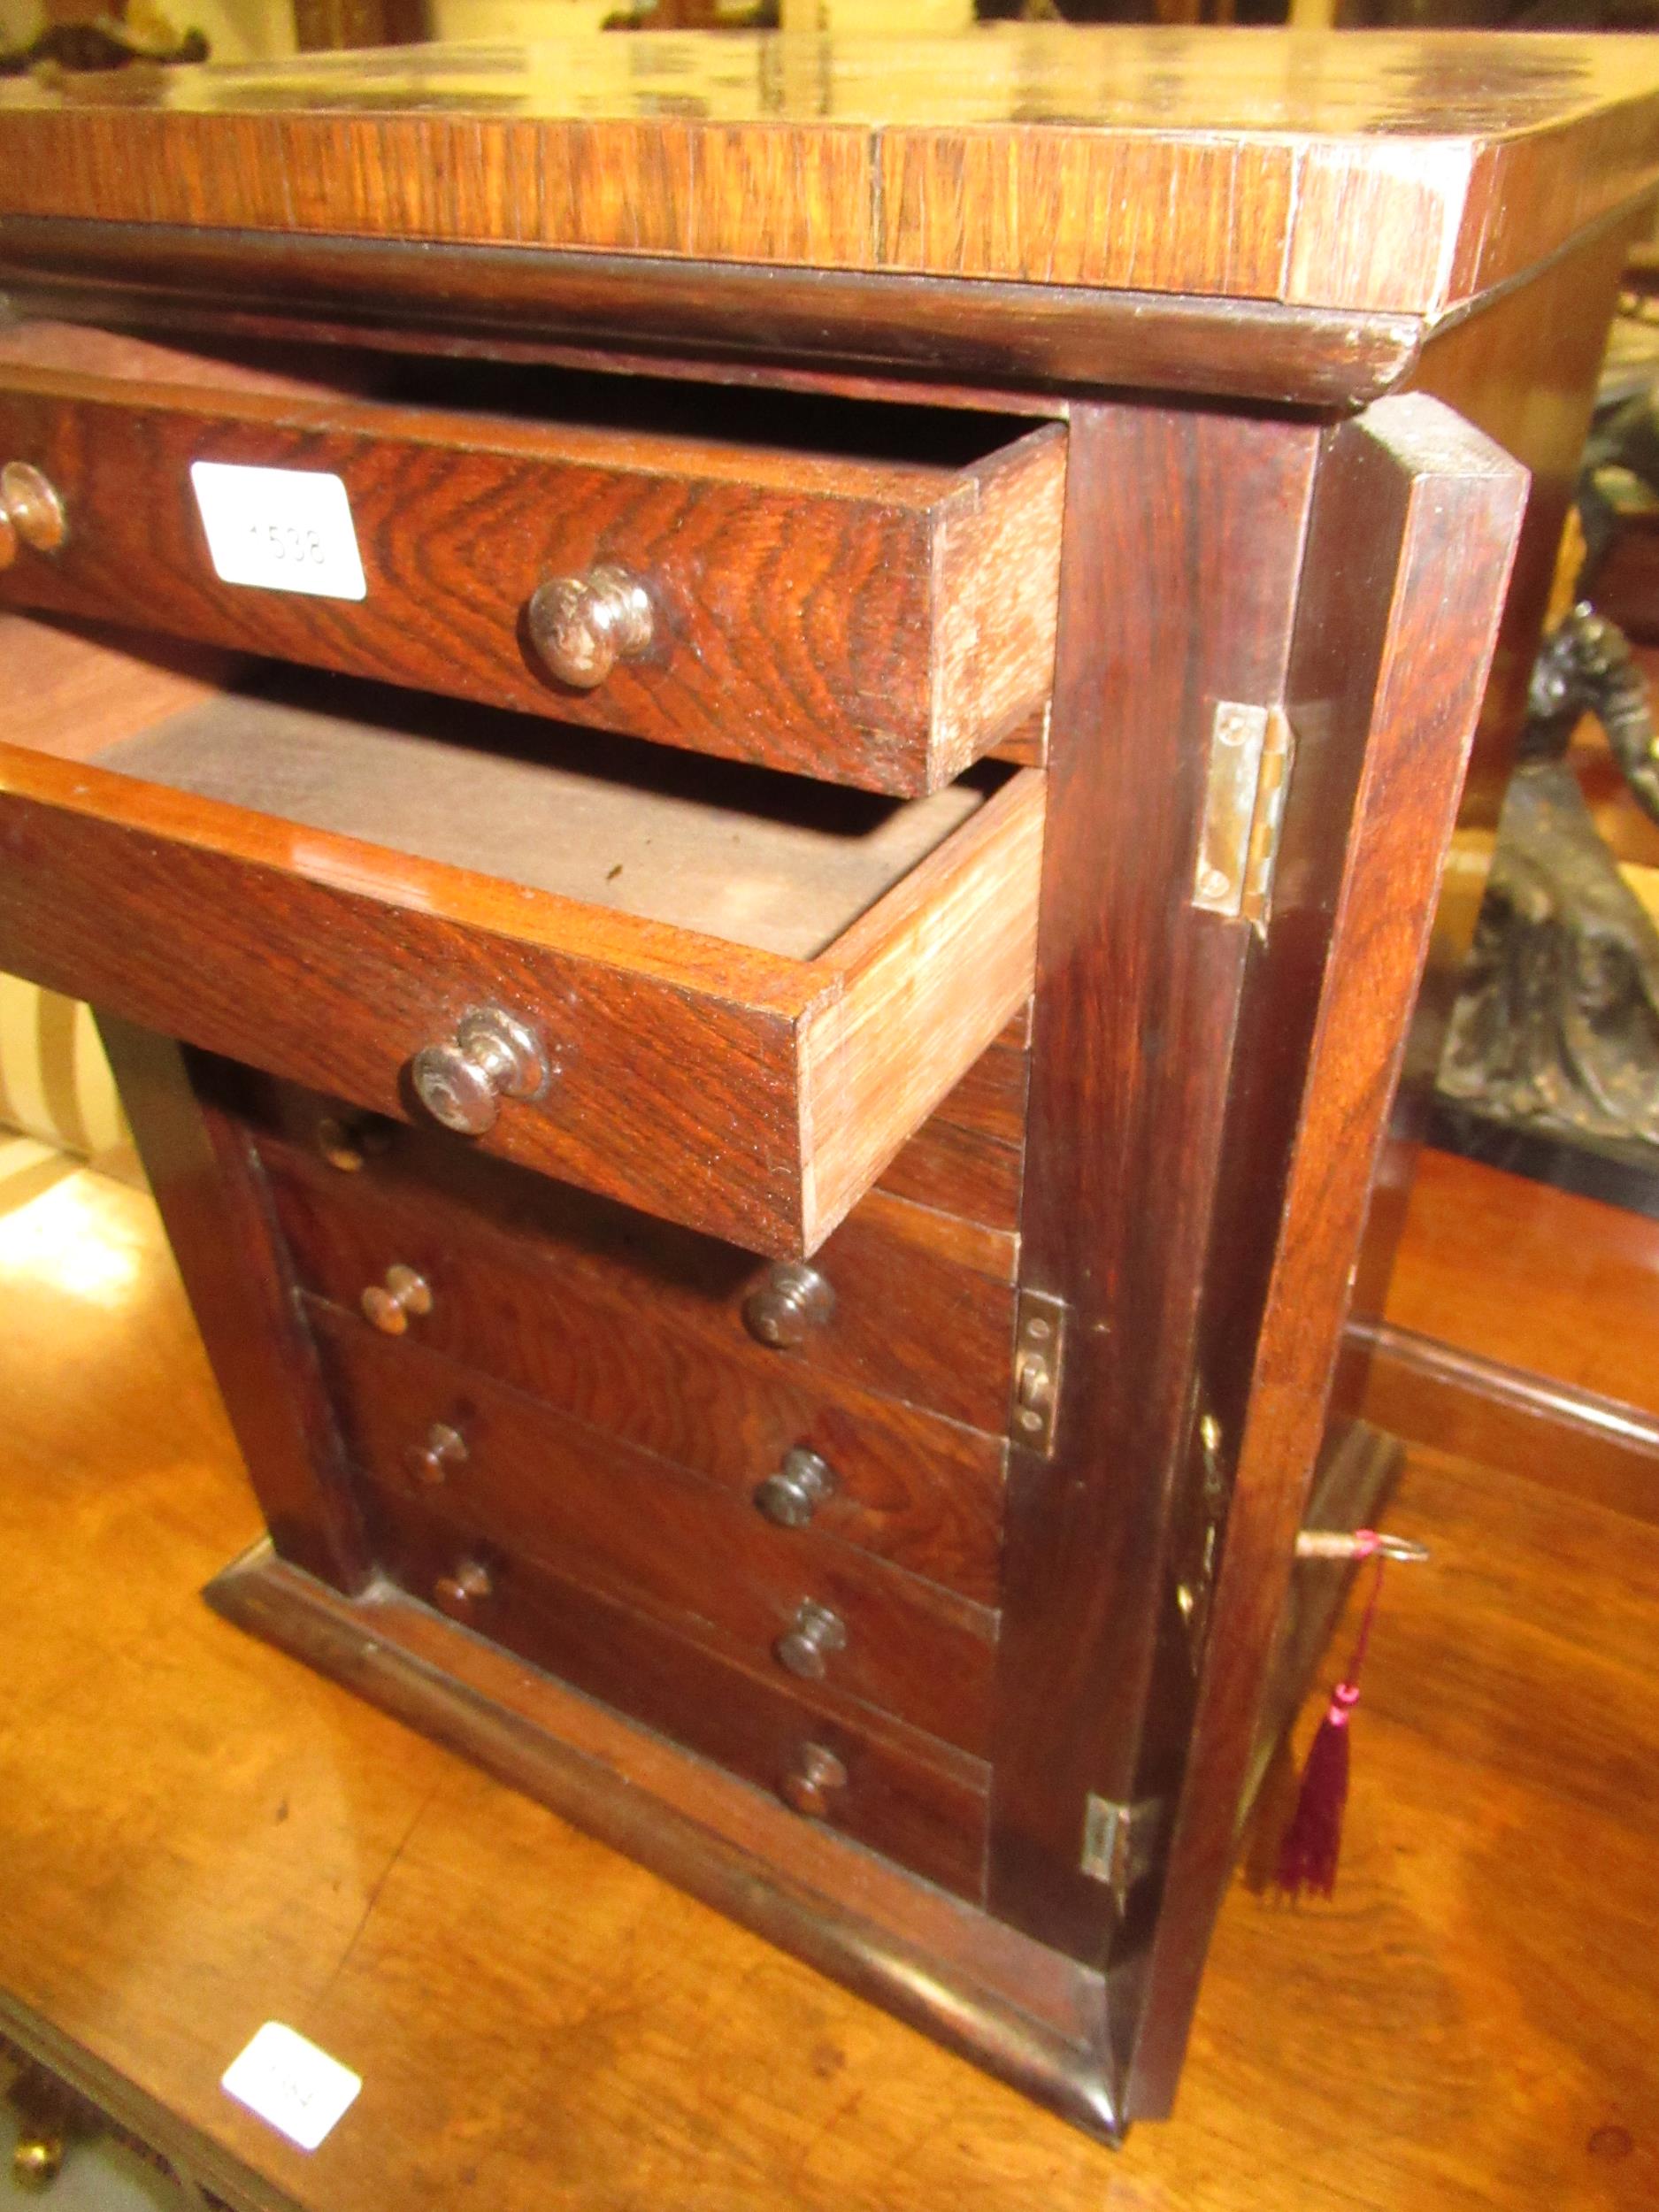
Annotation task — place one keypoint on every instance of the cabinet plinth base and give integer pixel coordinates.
(1024, 2013)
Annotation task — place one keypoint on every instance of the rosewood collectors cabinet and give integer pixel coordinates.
(750, 743)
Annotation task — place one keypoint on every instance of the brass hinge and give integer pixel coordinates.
(1244, 809)
(1119, 1842)
(1038, 1355)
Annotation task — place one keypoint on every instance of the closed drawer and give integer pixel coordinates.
(330, 891)
(912, 1800)
(594, 1510)
(640, 1359)
(820, 606)
(549, 1288)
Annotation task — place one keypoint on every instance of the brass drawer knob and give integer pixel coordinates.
(463, 1592)
(348, 1142)
(493, 1056)
(404, 1296)
(805, 1648)
(793, 1494)
(812, 1786)
(582, 626)
(444, 1448)
(29, 510)
(794, 1300)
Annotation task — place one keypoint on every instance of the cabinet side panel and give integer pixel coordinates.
(1182, 540)
(1414, 531)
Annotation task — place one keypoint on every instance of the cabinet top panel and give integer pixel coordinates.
(1364, 173)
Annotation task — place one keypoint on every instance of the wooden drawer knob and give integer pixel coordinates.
(444, 1449)
(806, 1646)
(582, 626)
(404, 1295)
(30, 511)
(811, 1789)
(793, 1494)
(463, 1592)
(492, 1055)
(794, 1300)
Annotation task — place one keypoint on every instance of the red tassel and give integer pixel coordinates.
(1312, 1844)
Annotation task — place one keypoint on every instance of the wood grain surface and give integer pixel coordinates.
(1393, 174)
(1507, 1269)
(1171, 600)
(897, 1938)
(641, 312)
(217, 1836)
(1482, 1346)
(929, 977)
(960, 1172)
(907, 1796)
(538, 1487)
(990, 1100)
(1556, 1434)
(79, 692)
(1384, 690)
(709, 1082)
(102, 883)
(501, 1250)
(693, 1387)
(868, 621)
(711, 848)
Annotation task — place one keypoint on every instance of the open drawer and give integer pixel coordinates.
(722, 995)
(863, 593)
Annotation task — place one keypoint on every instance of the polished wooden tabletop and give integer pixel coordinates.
(1360, 171)
(1110, 78)
(197, 1835)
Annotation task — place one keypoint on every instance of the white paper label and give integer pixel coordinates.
(279, 529)
(300, 2090)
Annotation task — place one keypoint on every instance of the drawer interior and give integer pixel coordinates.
(746, 855)
(654, 413)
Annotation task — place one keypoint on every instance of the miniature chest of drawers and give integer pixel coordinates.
(750, 743)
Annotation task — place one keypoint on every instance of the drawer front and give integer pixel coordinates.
(901, 1483)
(595, 1510)
(960, 1173)
(912, 1800)
(990, 1100)
(748, 1093)
(539, 1285)
(864, 622)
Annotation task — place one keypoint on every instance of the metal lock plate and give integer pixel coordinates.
(1039, 1358)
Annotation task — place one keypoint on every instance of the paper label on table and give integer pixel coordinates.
(300, 2090)
(279, 529)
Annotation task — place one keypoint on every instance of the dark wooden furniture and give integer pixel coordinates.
(197, 1836)
(874, 1317)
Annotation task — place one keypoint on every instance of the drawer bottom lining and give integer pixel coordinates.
(745, 855)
